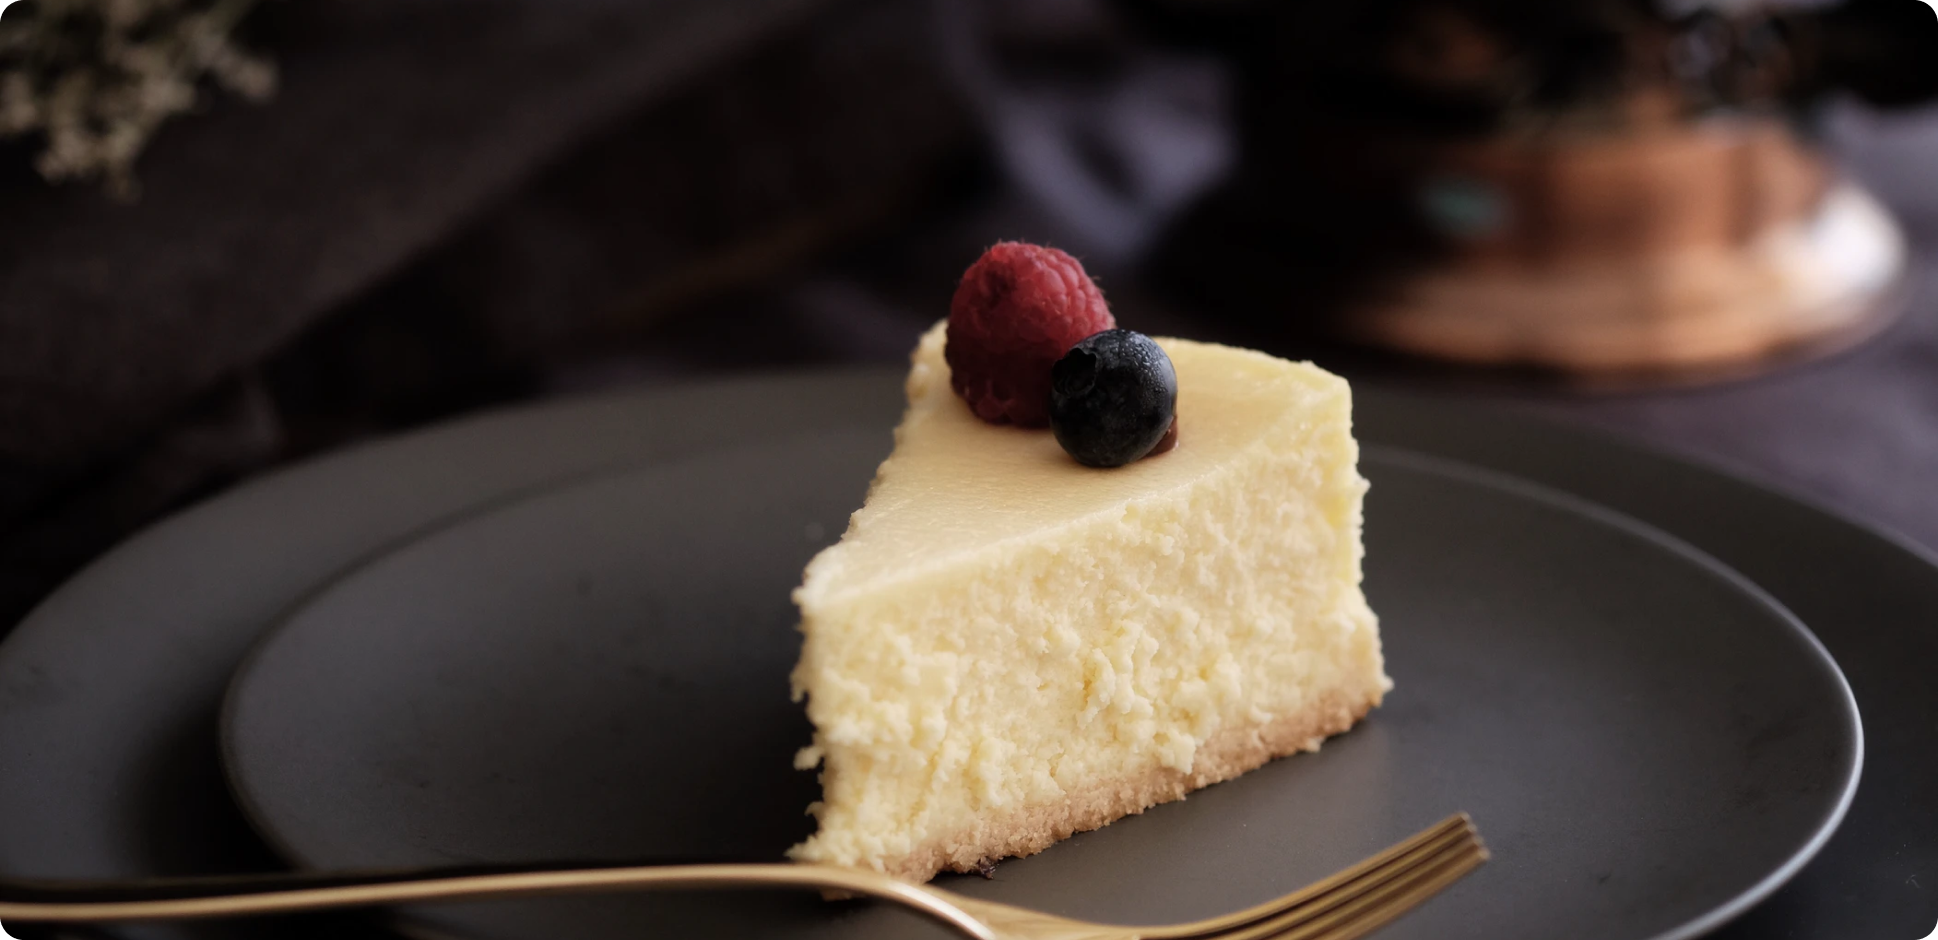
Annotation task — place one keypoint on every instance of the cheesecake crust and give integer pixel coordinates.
(1226, 754)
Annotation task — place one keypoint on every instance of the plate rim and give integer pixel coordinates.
(1848, 777)
(1688, 551)
(268, 633)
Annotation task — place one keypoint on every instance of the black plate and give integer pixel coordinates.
(1648, 741)
(109, 691)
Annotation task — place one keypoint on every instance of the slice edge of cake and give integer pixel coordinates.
(1006, 649)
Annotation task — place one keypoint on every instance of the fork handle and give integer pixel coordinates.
(283, 893)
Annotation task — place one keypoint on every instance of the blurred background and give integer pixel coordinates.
(236, 233)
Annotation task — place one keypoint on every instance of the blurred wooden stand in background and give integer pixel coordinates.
(1705, 245)
(1606, 192)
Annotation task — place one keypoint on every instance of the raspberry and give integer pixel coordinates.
(1019, 308)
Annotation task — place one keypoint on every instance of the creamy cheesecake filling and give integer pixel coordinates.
(1007, 647)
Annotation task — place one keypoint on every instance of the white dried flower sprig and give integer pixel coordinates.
(95, 79)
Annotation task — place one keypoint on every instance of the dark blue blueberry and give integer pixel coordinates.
(1112, 398)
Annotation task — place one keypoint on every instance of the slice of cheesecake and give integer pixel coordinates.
(1007, 647)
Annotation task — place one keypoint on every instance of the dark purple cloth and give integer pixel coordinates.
(397, 121)
(456, 203)
(446, 200)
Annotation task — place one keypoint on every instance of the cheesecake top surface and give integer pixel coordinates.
(957, 485)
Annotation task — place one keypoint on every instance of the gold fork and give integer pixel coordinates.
(1347, 905)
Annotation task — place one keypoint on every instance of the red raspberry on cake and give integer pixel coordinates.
(1019, 308)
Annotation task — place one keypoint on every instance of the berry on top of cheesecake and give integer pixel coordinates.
(1019, 308)
(1031, 342)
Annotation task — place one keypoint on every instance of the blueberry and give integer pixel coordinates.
(1112, 398)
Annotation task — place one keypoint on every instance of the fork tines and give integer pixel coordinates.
(1360, 899)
